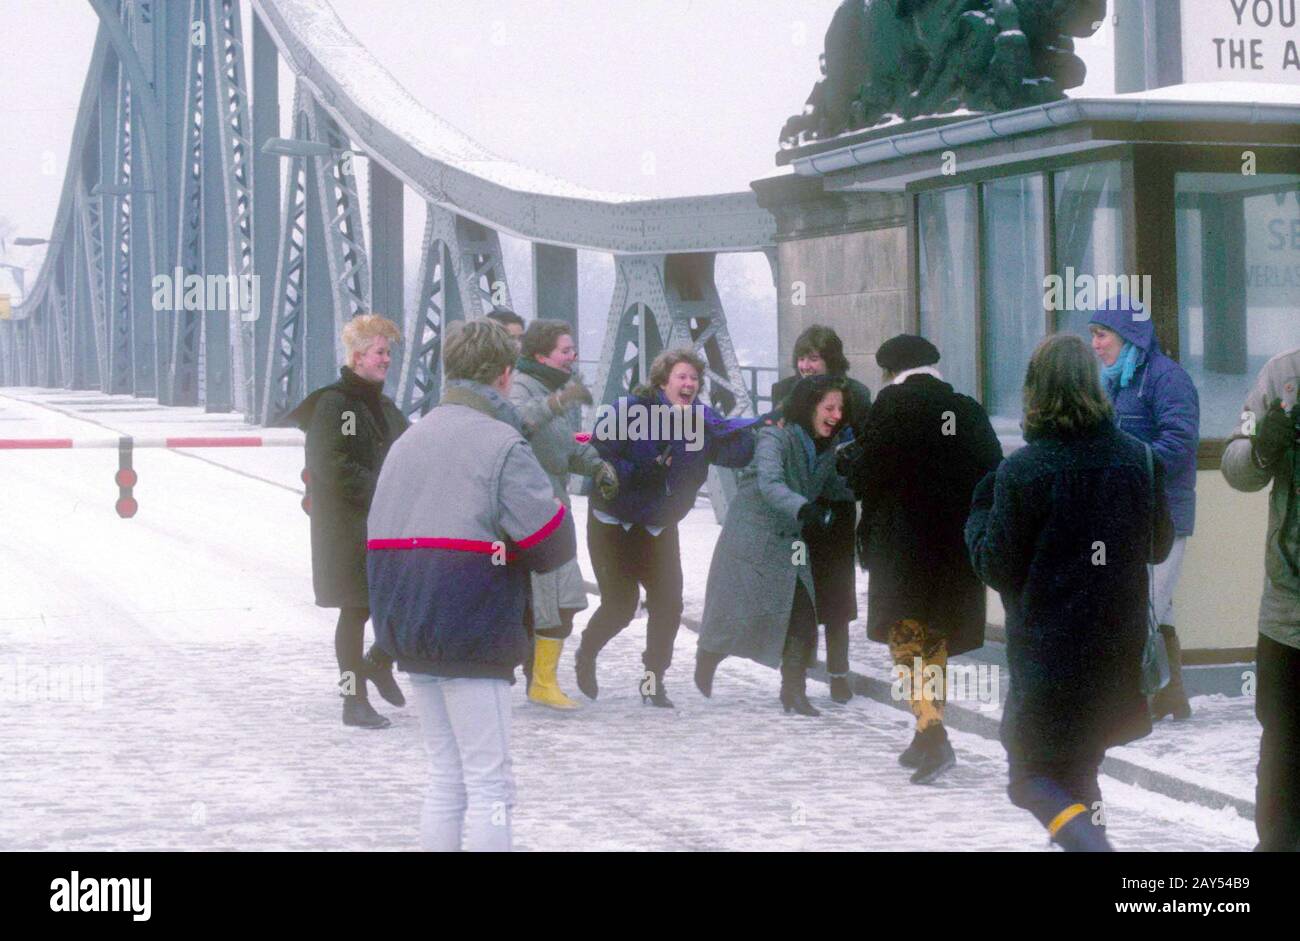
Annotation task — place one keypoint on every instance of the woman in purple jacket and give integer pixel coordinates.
(1156, 402)
(660, 441)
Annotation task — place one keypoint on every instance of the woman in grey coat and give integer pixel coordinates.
(547, 395)
(760, 599)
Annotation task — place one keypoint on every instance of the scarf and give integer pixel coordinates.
(1126, 363)
(548, 376)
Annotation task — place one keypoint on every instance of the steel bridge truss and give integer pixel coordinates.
(191, 262)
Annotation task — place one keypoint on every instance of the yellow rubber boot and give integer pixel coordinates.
(545, 690)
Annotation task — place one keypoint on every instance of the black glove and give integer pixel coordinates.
(815, 518)
(847, 457)
(1274, 435)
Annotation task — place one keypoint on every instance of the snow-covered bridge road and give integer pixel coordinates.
(216, 725)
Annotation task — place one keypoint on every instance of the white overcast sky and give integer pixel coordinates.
(654, 97)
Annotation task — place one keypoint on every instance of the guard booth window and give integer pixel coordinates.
(1012, 279)
(948, 310)
(1238, 243)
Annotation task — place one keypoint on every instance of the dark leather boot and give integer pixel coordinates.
(379, 670)
(841, 692)
(1172, 700)
(937, 755)
(706, 664)
(584, 666)
(911, 755)
(794, 695)
(358, 712)
(653, 690)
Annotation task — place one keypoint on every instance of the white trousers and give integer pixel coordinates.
(1164, 579)
(471, 793)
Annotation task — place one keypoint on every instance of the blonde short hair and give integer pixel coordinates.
(363, 330)
(478, 350)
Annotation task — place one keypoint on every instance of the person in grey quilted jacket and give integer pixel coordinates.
(548, 397)
(1265, 450)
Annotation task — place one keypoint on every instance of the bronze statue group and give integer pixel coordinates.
(455, 537)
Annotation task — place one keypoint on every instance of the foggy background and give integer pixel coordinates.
(647, 97)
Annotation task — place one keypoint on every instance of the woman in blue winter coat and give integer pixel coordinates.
(1156, 402)
(660, 442)
(1065, 530)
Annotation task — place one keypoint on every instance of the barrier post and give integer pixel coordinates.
(125, 478)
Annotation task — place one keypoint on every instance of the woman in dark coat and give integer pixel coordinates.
(1065, 530)
(350, 426)
(818, 351)
(925, 448)
(761, 595)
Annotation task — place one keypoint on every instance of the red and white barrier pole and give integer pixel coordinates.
(126, 477)
(174, 443)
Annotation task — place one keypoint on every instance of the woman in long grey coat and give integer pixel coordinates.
(760, 599)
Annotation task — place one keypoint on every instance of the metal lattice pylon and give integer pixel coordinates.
(320, 228)
(662, 302)
(234, 132)
(462, 275)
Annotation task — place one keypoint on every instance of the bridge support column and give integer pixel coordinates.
(555, 284)
(266, 197)
(386, 242)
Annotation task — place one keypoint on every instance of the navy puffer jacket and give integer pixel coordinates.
(1161, 407)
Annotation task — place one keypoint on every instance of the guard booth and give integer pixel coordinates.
(950, 227)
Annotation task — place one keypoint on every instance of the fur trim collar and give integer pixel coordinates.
(918, 371)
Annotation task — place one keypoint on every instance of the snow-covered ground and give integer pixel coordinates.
(208, 718)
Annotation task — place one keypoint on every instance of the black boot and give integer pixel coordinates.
(1172, 700)
(911, 755)
(584, 665)
(357, 711)
(654, 691)
(841, 692)
(379, 670)
(794, 696)
(936, 755)
(706, 664)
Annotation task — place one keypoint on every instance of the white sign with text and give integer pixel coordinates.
(1241, 41)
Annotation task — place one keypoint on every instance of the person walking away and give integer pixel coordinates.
(633, 538)
(925, 448)
(1156, 402)
(1065, 530)
(818, 351)
(761, 600)
(462, 514)
(548, 397)
(350, 426)
(1264, 451)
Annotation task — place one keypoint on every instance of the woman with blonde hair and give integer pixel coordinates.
(350, 426)
(1064, 530)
